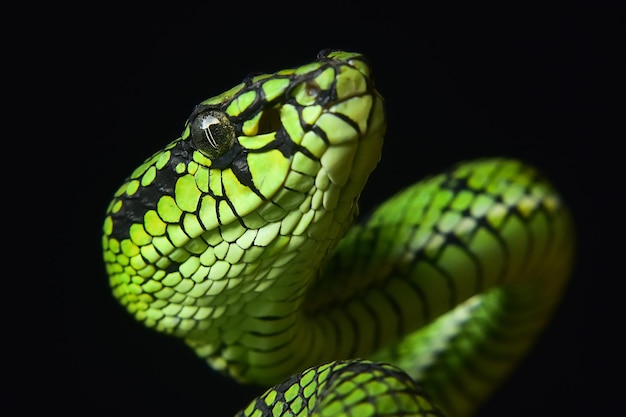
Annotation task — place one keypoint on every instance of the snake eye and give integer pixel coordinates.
(212, 133)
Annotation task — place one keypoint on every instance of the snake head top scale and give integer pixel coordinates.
(262, 182)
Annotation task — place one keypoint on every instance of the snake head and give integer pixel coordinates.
(260, 173)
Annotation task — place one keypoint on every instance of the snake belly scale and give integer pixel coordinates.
(238, 238)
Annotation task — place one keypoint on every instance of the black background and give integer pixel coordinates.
(102, 88)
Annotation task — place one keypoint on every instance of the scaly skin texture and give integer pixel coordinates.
(231, 239)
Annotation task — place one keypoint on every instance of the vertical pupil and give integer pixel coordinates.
(205, 124)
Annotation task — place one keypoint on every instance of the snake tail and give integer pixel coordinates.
(353, 388)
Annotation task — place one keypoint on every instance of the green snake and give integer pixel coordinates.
(238, 238)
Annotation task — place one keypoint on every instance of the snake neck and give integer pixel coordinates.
(265, 317)
(379, 286)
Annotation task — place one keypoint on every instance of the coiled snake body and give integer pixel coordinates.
(232, 238)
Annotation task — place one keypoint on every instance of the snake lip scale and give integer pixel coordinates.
(239, 238)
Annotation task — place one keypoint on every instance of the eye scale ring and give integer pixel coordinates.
(212, 133)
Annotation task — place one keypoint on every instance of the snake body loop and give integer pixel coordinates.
(237, 237)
